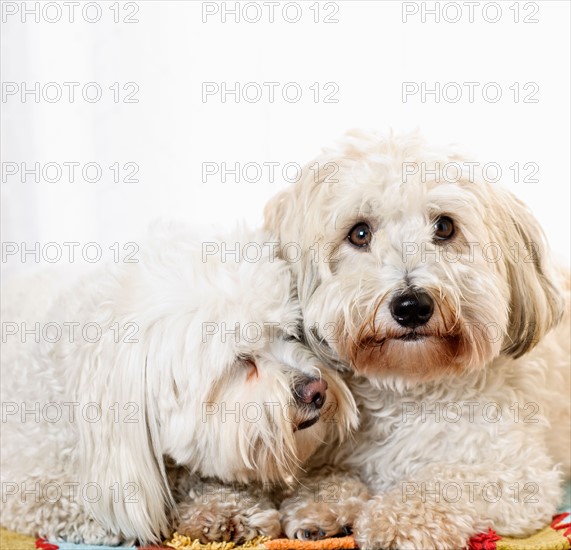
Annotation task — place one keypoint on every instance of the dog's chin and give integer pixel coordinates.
(413, 355)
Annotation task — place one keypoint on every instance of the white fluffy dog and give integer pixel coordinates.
(137, 381)
(442, 297)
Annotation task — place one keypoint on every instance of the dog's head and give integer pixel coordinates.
(250, 401)
(413, 266)
(216, 376)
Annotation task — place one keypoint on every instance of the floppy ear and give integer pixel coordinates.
(535, 302)
(284, 219)
(119, 452)
(279, 216)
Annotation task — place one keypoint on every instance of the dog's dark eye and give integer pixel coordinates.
(360, 236)
(443, 228)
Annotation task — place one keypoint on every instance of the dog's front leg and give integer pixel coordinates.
(211, 511)
(325, 504)
(447, 504)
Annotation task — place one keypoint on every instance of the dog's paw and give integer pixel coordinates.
(317, 521)
(264, 522)
(327, 511)
(97, 535)
(214, 522)
(224, 522)
(388, 523)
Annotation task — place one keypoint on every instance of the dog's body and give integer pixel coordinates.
(151, 387)
(462, 388)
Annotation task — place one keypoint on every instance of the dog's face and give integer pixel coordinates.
(229, 386)
(251, 401)
(411, 269)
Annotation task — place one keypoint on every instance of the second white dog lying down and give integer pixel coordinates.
(197, 364)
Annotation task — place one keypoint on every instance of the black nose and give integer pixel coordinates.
(412, 309)
(312, 391)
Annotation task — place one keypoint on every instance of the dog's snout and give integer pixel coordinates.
(313, 392)
(412, 309)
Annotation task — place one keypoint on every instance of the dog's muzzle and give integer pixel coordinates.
(310, 394)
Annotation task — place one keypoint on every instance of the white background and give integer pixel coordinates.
(170, 52)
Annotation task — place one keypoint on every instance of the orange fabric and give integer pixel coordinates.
(341, 543)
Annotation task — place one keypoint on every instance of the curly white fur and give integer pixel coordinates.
(146, 380)
(486, 351)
